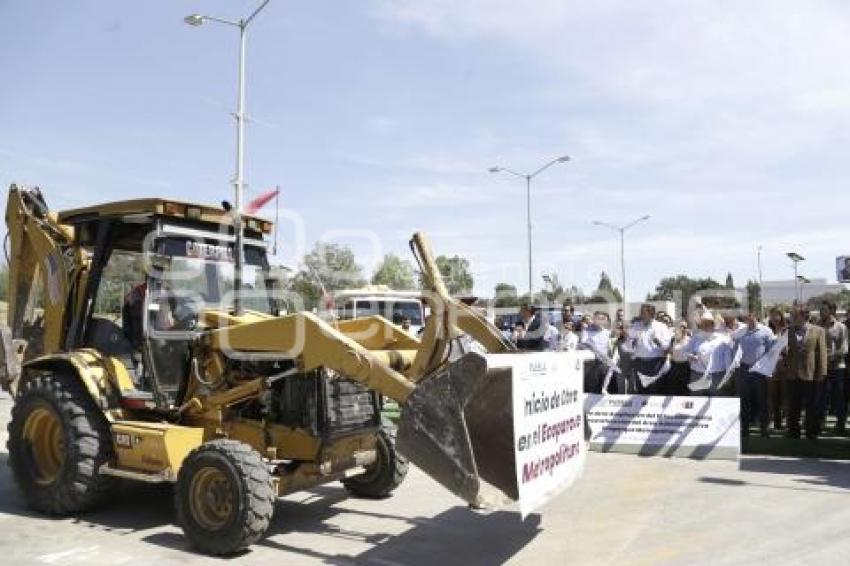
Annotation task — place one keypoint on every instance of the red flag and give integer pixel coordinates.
(255, 205)
(328, 301)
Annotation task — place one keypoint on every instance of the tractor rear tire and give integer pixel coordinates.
(386, 474)
(224, 497)
(58, 439)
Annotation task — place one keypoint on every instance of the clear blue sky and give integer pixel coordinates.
(726, 121)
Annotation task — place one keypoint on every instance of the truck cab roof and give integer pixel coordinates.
(133, 215)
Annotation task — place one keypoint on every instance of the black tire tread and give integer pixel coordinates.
(388, 479)
(258, 497)
(88, 442)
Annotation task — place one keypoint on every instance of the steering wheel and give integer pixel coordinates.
(185, 315)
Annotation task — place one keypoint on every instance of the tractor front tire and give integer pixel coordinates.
(224, 497)
(58, 439)
(385, 474)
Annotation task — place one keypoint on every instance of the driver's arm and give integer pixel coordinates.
(165, 312)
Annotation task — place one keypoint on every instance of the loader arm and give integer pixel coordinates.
(449, 318)
(315, 344)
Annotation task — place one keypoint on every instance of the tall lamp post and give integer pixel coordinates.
(761, 286)
(622, 230)
(796, 258)
(802, 280)
(239, 178)
(528, 177)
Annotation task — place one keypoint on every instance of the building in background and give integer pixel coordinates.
(784, 292)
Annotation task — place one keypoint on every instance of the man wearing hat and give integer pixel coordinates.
(709, 353)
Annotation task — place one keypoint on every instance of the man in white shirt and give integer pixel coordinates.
(597, 338)
(650, 341)
(755, 341)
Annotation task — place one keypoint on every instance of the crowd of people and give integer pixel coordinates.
(788, 367)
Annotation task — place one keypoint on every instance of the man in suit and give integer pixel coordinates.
(807, 364)
(536, 324)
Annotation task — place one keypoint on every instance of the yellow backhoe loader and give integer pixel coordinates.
(235, 405)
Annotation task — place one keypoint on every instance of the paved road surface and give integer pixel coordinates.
(626, 510)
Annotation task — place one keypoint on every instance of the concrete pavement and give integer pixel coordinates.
(626, 510)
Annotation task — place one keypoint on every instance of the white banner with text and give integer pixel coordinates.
(688, 427)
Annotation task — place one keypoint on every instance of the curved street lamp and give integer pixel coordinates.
(622, 231)
(528, 177)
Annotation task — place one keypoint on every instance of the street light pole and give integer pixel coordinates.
(803, 280)
(528, 220)
(528, 177)
(239, 178)
(796, 258)
(623, 271)
(622, 231)
(761, 286)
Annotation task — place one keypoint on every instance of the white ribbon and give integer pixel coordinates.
(766, 365)
(736, 362)
(648, 380)
(613, 367)
(704, 382)
(611, 363)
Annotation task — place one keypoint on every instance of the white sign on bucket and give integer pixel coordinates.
(548, 423)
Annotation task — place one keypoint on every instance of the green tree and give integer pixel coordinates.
(505, 295)
(331, 265)
(395, 273)
(456, 274)
(683, 288)
(754, 296)
(606, 292)
(841, 299)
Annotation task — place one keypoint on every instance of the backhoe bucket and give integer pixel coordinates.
(457, 426)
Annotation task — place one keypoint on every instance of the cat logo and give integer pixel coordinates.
(123, 440)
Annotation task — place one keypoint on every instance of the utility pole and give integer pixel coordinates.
(796, 258)
(239, 178)
(622, 231)
(761, 286)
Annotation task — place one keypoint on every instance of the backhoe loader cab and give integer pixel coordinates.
(161, 271)
(127, 360)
